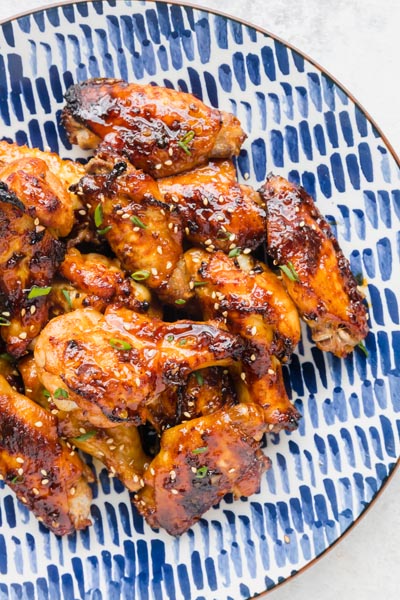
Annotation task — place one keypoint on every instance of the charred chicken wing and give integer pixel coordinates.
(314, 269)
(199, 462)
(159, 130)
(29, 257)
(216, 211)
(111, 365)
(46, 476)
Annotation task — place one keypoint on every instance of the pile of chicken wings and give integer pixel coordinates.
(138, 323)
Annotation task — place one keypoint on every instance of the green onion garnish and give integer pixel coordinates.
(7, 357)
(199, 283)
(140, 275)
(105, 230)
(4, 322)
(37, 291)
(46, 393)
(180, 301)
(234, 252)
(185, 141)
(98, 215)
(136, 221)
(67, 296)
(201, 472)
(85, 436)
(199, 377)
(289, 271)
(200, 450)
(120, 344)
(363, 348)
(60, 393)
(170, 338)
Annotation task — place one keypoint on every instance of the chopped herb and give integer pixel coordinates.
(180, 301)
(182, 342)
(17, 479)
(363, 348)
(98, 215)
(85, 436)
(4, 322)
(138, 222)
(234, 252)
(170, 338)
(37, 291)
(105, 230)
(290, 271)
(60, 393)
(46, 393)
(199, 377)
(199, 283)
(140, 275)
(185, 141)
(67, 296)
(201, 472)
(7, 357)
(200, 450)
(120, 344)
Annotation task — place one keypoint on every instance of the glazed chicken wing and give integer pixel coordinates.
(93, 280)
(41, 180)
(128, 209)
(49, 478)
(216, 211)
(29, 257)
(119, 448)
(159, 130)
(315, 271)
(111, 365)
(199, 462)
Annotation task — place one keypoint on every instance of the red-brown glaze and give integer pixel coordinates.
(147, 125)
(199, 462)
(324, 289)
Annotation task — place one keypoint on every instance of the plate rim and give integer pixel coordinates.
(187, 4)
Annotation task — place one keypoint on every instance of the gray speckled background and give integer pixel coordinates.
(358, 42)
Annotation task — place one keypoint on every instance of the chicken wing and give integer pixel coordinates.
(49, 478)
(315, 272)
(216, 211)
(41, 180)
(159, 130)
(29, 257)
(111, 365)
(119, 448)
(97, 281)
(128, 209)
(199, 462)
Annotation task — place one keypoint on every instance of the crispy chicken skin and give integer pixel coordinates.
(118, 448)
(159, 130)
(321, 283)
(111, 365)
(199, 462)
(216, 211)
(41, 180)
(94, 280)
(46, 476)
(128, 208)
(29, 257)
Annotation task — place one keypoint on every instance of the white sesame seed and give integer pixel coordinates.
(301, 224)
(109, 441)
(23, 335)
(32, 309)
(225, 314)
(253, 357)
(82, 430)
(170, 151)
(138, 382)
(45, 481)
(246, 176)
(232, 470)
(208, 242)
(39, 424)
(187, 231)
(191, 285)
(35, 491)
(175, 492)
(20, 460)
(20, 471)
(158, 167)
(126, 216)
(154, 271)
(72, 491)
(159, 250)
(43, 472)
(23, 312)
(168, 163)
(271, 372)
(246, 251)
(112, 447)
(152, 471)
(187, 414)
(243, 376)
(39, 228)
(82, 212)
(253, 330)
(23, 499)
(216, 305)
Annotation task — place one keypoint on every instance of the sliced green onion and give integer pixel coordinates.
(136, 221)
(185, 141)
(105, 230)
(60, 393)
(140, 275)
(234, 252)
(17, 479)
(120, 344)
(363, 348)
(201, 472)
(290, 271)
(98, 215)
(199, 377)
(4, 322)
(7, 357)
(37, 291)
(46, 393)
(85, 436)
(200, 450)
(170, 338)
(180, 301)
(182, 342)
(199, 283)
(67, 296)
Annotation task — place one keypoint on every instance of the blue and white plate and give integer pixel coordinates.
(300, 124)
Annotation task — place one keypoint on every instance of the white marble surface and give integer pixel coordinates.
(358, 42)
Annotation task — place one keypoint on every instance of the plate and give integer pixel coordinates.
(300, 124)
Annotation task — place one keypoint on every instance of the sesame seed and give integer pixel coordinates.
(190, 403)
(158, 167)
(243, 376)
(213, 295)
(39, 228)
(170, 151)
(112, 447)
(208, 242)
(126, 216)
(72, 453)
(246, 176)
(170, 225)
(5, 313)
(82, 212)
(54, 411)
(216, 305)
(72, 491)
(36, 221)
(253, 357)
(35, 491)
(23, 312)
(168, 163)
(82, 430)
(225, 314)
(154, 271)
(109, 440)
(135, 478)
(152, 471)
(141, 482)
(187, 414)
(32, 309)
(271, 372)
(174, 198)
(271, 426)
(23, 499)
(172, 474)
(43, 472)
(176, 229)
(253, 330)
(162, 211)
(159, 249)
(39, 424)
(246, 251)
(191, 285)
(20, 471)
(175, 492)
(205, 202)
(187, 230)
(23, 335)
(193, 469)
(221, 199)
(219, 218)
(45, 481)
(138, 382)
(136, 229)
(20, 460)
(232, 470)
(301, 223)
